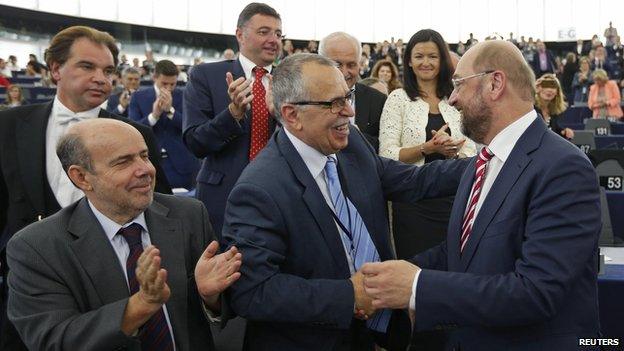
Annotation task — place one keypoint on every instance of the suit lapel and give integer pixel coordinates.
(512, 170)
(30, 135)
(315, 202)
(457, 216)
(167, 235)
(97, 256)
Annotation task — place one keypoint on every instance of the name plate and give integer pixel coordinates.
(612, 182)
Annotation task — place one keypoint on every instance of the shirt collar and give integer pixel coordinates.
(59, 109)
(111, 227)
(248, 66)
(313, 159)
(506, 139)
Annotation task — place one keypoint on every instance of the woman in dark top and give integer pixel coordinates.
(550, 104)
(408, 120)
(582, 81)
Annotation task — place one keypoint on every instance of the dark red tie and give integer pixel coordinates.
(482, 160)
(155, 334)
(259, 115)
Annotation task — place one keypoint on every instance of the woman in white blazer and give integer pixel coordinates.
(411, 118)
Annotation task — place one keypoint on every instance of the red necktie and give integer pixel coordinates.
(154, 334)
(259, 115)
(482, 160)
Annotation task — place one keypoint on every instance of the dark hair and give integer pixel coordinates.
(60, 45)
(166, 68)
(410, 84)
(256, 8)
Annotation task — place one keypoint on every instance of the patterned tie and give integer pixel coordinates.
(482, 160)
(154, 334)
(260, 115)
(357, 239)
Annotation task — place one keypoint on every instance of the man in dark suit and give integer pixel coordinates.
(155, 272)
(543, 60)
(298, 287)
(118, 103)
(346, 51)
(223, 123)
(32, 182)
(160, 108)
(518, 269)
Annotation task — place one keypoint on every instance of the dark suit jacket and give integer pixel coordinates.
(67, 289)
(179, 164)
(211, 133)
(112, 103)
(25, 194)
(369, 104)
(294, 289)
(551, 64)
(527, 277)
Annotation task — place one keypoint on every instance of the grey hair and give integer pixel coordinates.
(130, 70)
(71, 150)
(288, 82)
(337, 36)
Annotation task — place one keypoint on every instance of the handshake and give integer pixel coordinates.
(379, 285)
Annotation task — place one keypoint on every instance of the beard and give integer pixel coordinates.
(476, 119)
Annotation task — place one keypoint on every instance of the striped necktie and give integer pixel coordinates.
(354, 236)
(155, 334)
(482, 160)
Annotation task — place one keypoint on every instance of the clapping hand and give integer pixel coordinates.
(239, 91)
(152, 279)
(215, 273)
(444, 144)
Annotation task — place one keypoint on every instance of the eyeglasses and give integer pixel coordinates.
(457, 81)
(336, 105)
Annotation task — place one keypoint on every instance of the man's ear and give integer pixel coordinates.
(290, 116)
(239, 35)
(498, 84)
(79, 176)
(54, 71)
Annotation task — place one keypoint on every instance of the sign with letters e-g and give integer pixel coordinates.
(567, 33)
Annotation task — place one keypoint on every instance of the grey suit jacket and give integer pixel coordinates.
(67, 290)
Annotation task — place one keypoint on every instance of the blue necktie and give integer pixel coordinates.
(357, 240)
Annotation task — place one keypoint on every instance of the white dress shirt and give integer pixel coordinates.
(61, 118)
(501, 146)
(352, 118)
(122, 249)
(315, 161)
(150, 118)
(248, 67)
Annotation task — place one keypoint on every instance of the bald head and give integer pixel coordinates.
(346, 51)
(74, 147)
(504, 56)
(336, 40)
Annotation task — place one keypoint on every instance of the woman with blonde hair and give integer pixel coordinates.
(14, 97)
(387, 71)
(550, 104)
(604, 96)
